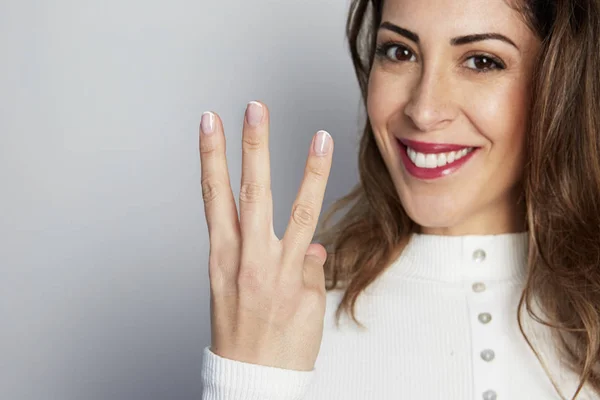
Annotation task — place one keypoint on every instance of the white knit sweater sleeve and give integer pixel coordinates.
(225, 379)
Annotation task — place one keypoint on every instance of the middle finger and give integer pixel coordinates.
(256, 203)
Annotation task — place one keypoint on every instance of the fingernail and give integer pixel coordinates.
(208, 123)
(254, 113)
(322, 143)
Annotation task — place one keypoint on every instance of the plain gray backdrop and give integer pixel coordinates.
(104, 289)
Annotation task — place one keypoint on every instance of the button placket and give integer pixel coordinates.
(478, 287)
(487, 355)
(483, 364)
(479, 255)
(489, 395)
(484, 318)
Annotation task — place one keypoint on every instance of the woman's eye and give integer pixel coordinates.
(395, 52)
(483, 63)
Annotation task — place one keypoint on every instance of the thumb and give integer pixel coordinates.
(314, 261)
(317, 251)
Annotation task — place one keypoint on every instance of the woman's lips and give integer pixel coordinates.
(432, 148)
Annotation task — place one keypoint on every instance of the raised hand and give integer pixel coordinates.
(267, 295)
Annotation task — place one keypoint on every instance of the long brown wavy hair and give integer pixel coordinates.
(561, 184)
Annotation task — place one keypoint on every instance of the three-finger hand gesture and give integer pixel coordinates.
(267, 295)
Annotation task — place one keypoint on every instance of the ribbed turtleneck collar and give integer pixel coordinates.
(463, 258)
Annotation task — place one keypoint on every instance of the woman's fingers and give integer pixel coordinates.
(307, 206)
(314, 275)
(219, 203)
(256, 203)
(266, 308)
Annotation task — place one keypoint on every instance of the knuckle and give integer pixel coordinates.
(251, 142)
(317, 172)
(210, 190)
(249, 279)
(208, 147)
(251, 192)
(303, 214)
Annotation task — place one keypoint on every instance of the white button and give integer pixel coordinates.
(484, 318)
(489, 395)
(487, 355)
(479, 255)
(478, 287)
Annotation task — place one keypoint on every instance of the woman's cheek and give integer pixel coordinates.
(497, 111)
(387, 94)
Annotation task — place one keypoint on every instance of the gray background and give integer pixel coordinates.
(103, 242)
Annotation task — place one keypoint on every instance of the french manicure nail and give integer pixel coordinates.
(254, 113)
(322, 143)
(208, 123)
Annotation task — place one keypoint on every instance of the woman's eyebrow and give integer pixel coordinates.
(457, 41)
(400, 31)
(481, 36)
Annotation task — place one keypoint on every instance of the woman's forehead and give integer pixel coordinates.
(457, 17)
(457, 12)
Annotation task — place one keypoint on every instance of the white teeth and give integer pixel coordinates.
(422, 160)
(430, 161)
(418, 159)
(451, 157)
(442, 160)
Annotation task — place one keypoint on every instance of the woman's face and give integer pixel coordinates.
(448, 102)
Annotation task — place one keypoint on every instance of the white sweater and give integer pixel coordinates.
(441, 324)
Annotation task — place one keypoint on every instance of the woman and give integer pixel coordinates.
(469, 258)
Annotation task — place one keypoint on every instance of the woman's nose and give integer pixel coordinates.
(431, 106)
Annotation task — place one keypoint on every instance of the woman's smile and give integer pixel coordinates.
(433, 161)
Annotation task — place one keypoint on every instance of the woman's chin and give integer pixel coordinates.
(439, 220)
(438, 228)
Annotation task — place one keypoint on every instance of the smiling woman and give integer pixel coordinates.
(436, 87)
(471, 245)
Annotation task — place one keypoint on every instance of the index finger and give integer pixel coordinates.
(307, 206)
(219, 204)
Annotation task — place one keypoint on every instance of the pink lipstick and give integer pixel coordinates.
(433, 160)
